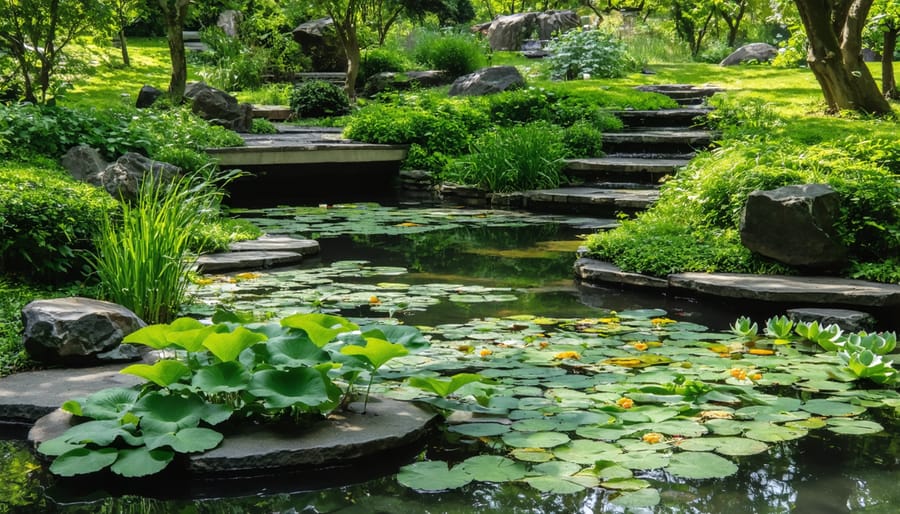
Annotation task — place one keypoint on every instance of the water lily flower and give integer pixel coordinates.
(738, 373)
(374, 300)
(625, 403)
(756, 376)
(640, 346)
(485, 352)
(662, 321)
(247, 276)
(760, 351)
(652, 437)
(567, 355)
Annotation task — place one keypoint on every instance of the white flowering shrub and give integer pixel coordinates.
(594, 53)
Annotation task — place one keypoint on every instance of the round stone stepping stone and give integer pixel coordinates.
(234, 261)
(386, 425)
(277, 243)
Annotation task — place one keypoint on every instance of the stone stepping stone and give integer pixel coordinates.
(683, 117)
(612, 164)
(277, 243)
(265, 252)
(272, 112)
(591, 199)
(660, 137)
(386, 425)
(596, 272)
(27, 396)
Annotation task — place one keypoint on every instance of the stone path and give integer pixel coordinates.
(265, 252)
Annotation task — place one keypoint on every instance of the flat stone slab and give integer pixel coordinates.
(626, 165)
(387, 424)
(660, 136)
(849, 320)
(277, 243)
(308, 146)
(593, 271)
(29, 395)
(781, 288)
(235, 261)
(596, 197)
(662, 117)
(272, 112)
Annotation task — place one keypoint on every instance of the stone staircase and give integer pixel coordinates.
(652, 145)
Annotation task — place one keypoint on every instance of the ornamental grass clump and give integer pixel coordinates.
(513, 158)
(142, 257)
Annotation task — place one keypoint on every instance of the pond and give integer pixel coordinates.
(494, 288)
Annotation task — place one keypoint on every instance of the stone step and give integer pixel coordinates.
(684, 117)
(657, 140)
(590, 200)
(622, 169)
(684, 94)
(272, 112)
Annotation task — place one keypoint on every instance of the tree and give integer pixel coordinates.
(834, 29)
(35, 32)
(174, 13)
(124, 13)
(886, 24)
(346, 16)
(693, 19)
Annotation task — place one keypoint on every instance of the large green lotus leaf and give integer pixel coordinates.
(304, 387)
(215, 413)
(480, 429)
(642, 460)
(581, 418)
(163, 372)
(191, 339)
(57, 446)
(585, 451)
(224, 377)
(376, 352)
(555, 485)
(492, 468)
(611, 470)
(228, 345)
(535, 439)
(168, 413)
(109, 403)
(731, 446)
(557, 468)
(832, 408)
(772, 433)
(700, 465)
(408, 336)
(154, 336)
(625, 484)
(321, 328)
(604, 433)
(141, 461)
(432, 476)
(82, 461)
(99, 432)
(292, 352)
(725, 426)
(531, 455)
(852, 426)
(676, 427)
(644, 498)
(187, 440)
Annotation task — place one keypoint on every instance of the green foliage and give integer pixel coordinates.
(231, 64)
(583, 140)
(595, 53)
(318, 98)
(380, 60)
(263, 126)
(517, 158)
(143, 258)
(456, 53)
(285, 371)
(47, 220)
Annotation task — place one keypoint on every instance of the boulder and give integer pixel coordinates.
(319, 41)
(795, 225)
(218, 107)
(79, 331)
(492, 79)
(146, 96)
(754, 52)
(85, 164)
(123, 178)
(393, 81)
(509, 32)
(229, 21)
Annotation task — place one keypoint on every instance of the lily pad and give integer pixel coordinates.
(832, 408)
(585, 451)
(432, 476)
(480, 429)
(637, 499)
(700, 465)
(492, 468)
(850, 426)
(535, 439)
(732, 446)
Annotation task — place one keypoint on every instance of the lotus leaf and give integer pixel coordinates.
(585, 451)
(531, 455)
(700, 465)
(376, 352)
(731, 446)
(187, 440)
(832, 408)
(556, 485)
(291, 351)
(110, 403)
(639, 361)
(772, 433)
(492, 468)
(163, 372)
(162, 413)
(228, 345)
(625, 484)
(480, 429)
(82, 461)
(99, 432)
(141, 461)
(432, 476)
(610, 470)
(321, 328)
(307, 388)
(637, 499)
(224, 377)
(642, 460)
(850, 426)
(535, 439)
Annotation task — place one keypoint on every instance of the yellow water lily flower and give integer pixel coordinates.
(567, 355)
(640, 346)
(625, 403)
(374, 300)
(652, 437)
(760, 351)
(485, 352)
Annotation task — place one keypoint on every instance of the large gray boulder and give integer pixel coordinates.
(485, 81)
(508, 32)
(147, 96)
(319, 41)
(84, 164)
(218, 107)
(123, 178)
(795, 225)
(79, 331)
(753, 52)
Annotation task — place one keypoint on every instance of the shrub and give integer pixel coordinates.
(583, 139)
(593, 52)
(457, 54)
(47, 221)
(521, 106)
(380, 60)
(514, 158)
(232, 64)
(263, 126)
(318, 98)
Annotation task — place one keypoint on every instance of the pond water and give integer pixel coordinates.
(463, 274)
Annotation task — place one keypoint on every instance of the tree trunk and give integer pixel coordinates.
(888, 84)
(175, 13)
(834, 29)
(124, 42)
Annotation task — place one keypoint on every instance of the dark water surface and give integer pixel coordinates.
(524, 266)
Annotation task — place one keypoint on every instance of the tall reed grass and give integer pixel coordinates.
(143, 258)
